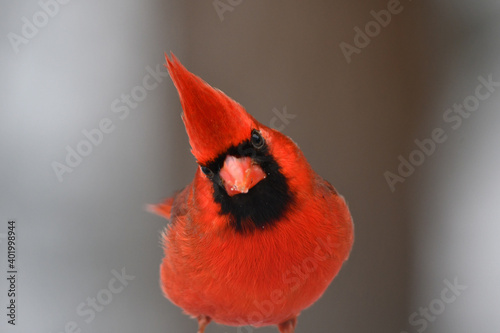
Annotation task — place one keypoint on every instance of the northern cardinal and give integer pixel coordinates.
(257, 236)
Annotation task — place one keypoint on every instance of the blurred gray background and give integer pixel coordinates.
(68, 66)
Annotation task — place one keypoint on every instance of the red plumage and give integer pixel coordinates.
(232, 265)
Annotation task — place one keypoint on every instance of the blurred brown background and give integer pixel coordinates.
(65, 71)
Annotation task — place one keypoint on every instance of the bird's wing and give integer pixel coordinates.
(170, 207)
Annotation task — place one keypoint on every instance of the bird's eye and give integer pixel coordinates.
(209, 173)
(257, 139)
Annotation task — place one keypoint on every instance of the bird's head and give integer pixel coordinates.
(245, 161)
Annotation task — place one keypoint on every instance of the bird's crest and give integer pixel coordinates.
(214, 122)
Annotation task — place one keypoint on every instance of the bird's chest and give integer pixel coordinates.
(231, 274)
(266, 262)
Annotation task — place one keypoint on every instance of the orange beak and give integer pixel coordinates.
(240, 174)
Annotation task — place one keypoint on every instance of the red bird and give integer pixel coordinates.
(258, 236)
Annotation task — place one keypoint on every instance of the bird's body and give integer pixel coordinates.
(257, 236)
